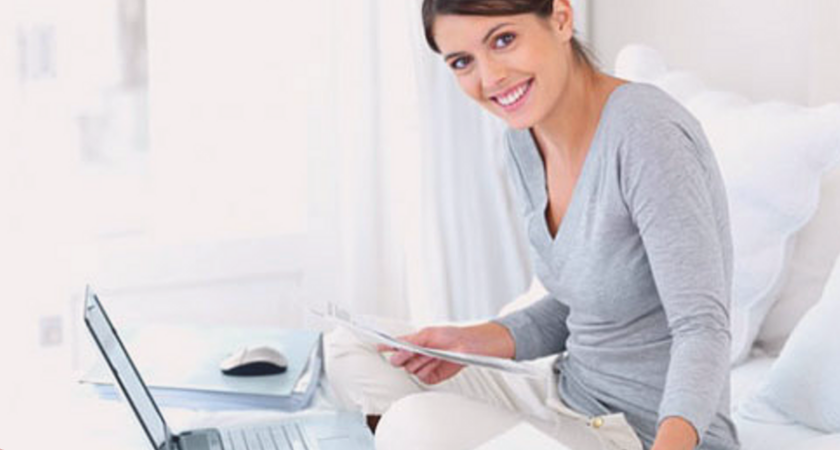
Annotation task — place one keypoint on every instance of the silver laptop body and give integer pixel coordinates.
(341, 430)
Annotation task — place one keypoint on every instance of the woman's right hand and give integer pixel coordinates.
(490, 339)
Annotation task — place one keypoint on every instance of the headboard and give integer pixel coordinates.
(765, 49)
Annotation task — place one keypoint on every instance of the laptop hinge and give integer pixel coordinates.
(174, 443)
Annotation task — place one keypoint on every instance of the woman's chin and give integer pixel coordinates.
(518, 123)
(518, 120)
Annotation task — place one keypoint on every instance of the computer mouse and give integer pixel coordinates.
(254, 361)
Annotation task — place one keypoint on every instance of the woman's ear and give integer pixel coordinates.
(562, 17)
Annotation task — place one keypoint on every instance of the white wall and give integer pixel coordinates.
(765, 49)
(825, 52)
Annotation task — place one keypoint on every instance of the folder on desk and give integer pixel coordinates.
(181, 367)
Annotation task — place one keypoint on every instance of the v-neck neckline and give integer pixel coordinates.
(581, 187)
(577, 192)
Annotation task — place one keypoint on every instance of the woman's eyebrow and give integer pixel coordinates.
(493, 30)
(453, 55)
(483, 40)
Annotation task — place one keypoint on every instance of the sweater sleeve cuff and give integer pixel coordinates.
(518, 323)
(693, 410)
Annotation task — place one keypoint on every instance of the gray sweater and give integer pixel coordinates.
(639, 272)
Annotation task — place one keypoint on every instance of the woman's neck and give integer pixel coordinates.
(568, 130)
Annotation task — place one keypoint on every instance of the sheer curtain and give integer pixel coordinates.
(428, 228)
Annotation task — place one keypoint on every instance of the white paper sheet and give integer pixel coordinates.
(341, 317)
(523, 435)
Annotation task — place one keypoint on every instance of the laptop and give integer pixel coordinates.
(328, 431)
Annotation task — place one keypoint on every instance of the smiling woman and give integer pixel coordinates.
(626, 215)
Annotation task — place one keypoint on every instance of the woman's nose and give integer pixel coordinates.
(493, 74)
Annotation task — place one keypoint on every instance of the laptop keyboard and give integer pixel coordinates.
(276, 437)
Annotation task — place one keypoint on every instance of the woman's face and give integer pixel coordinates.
(516, 67)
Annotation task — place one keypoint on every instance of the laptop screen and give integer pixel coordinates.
(123, 369)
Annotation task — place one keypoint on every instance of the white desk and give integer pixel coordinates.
(42, 414)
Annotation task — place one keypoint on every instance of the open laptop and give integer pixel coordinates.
(328, 431)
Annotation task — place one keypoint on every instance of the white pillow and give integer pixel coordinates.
(804, 383)
(772, 157)
(829, 442)
(817, 246)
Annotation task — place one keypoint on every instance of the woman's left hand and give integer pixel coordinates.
(675, 433)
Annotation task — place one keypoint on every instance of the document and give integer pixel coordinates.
(523, 435)
(341, 317)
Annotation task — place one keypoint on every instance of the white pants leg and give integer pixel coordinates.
(460, 413)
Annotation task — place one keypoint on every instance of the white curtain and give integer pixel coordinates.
(427, 228)
(477, 255)
(355, 209)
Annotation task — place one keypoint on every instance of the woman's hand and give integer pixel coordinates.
(675, 433)
(490, 339)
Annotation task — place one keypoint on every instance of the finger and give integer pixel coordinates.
(401, 357)
(417, 363)
(435, 374)
(424, 374)
(431, 379)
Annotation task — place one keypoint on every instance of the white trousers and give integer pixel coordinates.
(463, 412)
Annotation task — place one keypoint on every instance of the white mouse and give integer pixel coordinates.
(254, 361)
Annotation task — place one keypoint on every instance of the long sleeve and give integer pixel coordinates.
(538, 330)
(674, 194)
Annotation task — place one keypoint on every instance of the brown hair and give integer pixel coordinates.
(542, 8)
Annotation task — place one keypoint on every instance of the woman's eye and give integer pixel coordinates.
(503, 40)
(460, 63)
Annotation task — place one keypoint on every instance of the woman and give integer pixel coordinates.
(626, 215)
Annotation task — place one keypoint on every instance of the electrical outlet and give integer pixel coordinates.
(51, 331)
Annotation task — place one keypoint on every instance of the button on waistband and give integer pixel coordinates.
(596, 422)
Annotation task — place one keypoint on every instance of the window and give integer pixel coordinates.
(161, 152)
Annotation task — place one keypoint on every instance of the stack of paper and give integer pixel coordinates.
(336, 314)
(181, 367)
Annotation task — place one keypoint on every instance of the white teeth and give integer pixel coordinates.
(513, 96)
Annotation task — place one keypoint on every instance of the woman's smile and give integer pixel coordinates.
(512, 99)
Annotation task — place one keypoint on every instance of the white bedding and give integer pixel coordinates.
(756, 435)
